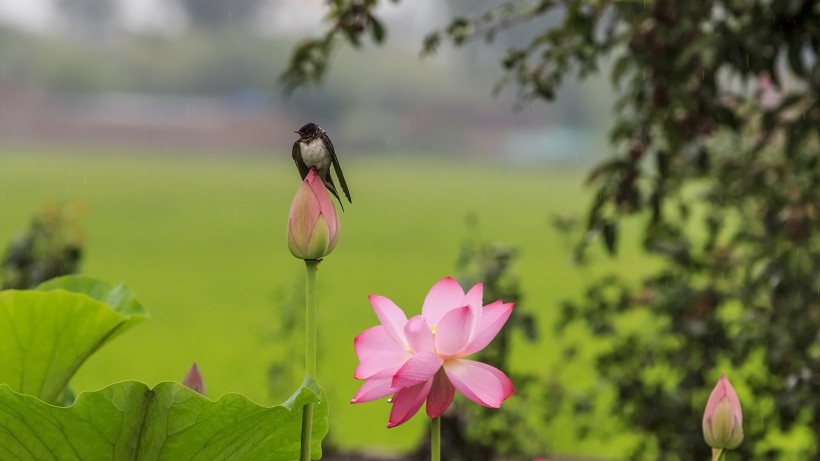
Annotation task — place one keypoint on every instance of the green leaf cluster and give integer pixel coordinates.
(47, 334)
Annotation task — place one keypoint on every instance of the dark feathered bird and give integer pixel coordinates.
(314, 150)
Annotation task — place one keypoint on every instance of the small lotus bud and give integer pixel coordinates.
(723, 418)
(313, 225)
(193, 380)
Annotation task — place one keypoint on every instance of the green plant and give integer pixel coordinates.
(716, 148)
(51, 247)
(45, 336)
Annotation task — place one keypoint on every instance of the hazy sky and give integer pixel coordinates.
(38, 15)
(411, 19)
(33, 14)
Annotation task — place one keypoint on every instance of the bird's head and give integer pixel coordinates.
(309, 131)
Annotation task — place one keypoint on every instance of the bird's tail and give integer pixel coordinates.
(329, 185)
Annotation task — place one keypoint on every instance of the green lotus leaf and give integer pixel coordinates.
(129, 421)
(119, 297)
(46, 334)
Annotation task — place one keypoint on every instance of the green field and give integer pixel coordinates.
(201, 239)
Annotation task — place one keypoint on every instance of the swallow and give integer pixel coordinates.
(314, 150)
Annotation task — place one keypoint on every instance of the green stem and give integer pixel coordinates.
(717, 454)
(435, 439)
(307, 427)
(311, 266)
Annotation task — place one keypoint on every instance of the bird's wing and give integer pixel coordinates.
(297, 157)
(336, 166)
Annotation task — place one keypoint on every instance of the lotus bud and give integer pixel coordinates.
(723, 418)
(313, 225)
(193, 380)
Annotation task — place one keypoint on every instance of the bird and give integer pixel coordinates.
(314, 150)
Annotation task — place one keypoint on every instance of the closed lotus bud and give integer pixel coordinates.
(313, 225)
(723, 418)
(193, 380)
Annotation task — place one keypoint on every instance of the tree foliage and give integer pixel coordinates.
(352, 19)
(51, 247)
(716, 148)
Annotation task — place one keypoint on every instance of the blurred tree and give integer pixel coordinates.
(716, 148)
(51, 247)
(220, 13)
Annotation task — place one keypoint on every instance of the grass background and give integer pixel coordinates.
(201, 239)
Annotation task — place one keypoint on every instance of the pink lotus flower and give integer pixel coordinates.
(313, 225)
(423, 358)
(723, 418)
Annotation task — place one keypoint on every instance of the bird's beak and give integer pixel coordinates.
(297, 132)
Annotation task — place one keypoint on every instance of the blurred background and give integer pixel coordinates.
(148, 142)
(202, 75)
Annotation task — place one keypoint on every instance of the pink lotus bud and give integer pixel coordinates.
(723, 418)
(313, 225)
(193, 380)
